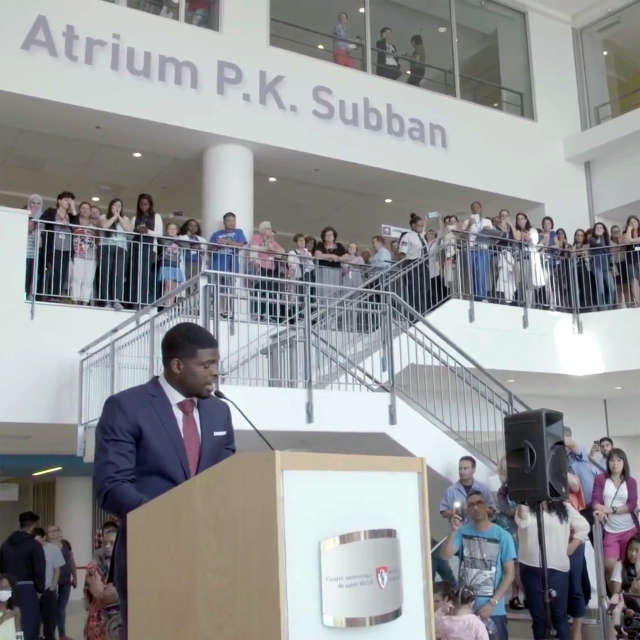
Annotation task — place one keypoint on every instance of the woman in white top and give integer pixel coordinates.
(532, 275)
(614, 501)
(436, 287)
(411, 248)
(565, 530)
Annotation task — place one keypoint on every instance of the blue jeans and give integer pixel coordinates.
(605, 285)
(64, 591)
(577, 597)
(531, 578)
(480, 259)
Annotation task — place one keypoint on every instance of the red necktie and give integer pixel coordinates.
(190, 434)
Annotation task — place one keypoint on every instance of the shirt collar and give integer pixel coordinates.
(171, 392)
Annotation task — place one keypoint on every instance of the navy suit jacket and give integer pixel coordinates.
(140, 452)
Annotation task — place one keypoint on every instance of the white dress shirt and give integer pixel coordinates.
(174, 397)
(411, 245)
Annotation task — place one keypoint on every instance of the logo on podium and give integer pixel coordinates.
(382, 574)
(361, 578)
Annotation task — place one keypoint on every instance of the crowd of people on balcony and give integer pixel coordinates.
(486, 522)
(109, 258)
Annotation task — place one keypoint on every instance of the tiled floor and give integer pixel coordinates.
(76, 616)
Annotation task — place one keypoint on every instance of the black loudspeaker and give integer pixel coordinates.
(536, 456)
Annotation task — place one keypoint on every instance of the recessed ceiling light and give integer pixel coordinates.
(136, 154)
(408, 72)
(618, 388)
(443, 29)
(41, 473)
(320, 46)
(95, 198)
(272, 179)
(605, 53)
(388, 200)
(495, 104)
(510, 380)
(361, 9)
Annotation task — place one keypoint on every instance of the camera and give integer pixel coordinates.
(458, 509)
(630, 627)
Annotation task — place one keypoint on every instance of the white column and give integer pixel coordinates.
(227, 185)
(74, 514)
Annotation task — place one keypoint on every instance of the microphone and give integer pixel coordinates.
(218, 394)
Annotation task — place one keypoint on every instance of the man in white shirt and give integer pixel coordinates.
(48, 601)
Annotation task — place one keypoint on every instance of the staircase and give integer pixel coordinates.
(310, 337)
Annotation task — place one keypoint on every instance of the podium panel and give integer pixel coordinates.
(322, 504)
(236, 552)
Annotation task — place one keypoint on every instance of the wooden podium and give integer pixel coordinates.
(234, 553)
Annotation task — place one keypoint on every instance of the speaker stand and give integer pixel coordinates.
(549, 631)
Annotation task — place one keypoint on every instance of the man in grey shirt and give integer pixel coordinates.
(53, 561)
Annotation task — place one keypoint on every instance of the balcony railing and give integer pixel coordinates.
(86, 265)
(201, 13)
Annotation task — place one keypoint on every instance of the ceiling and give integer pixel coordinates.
(90, 153)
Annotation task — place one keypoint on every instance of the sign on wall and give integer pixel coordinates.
(116, 53)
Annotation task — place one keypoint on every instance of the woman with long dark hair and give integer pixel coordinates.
(605, 285)
(584, 297)
(331, 255)
(147, 225)
(531, 285)
(614, 501)
(565, 531)
(632, 238)
(114, 249)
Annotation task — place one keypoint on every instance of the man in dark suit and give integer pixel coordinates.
(156, 436)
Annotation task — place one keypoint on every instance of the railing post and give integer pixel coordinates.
(575, 295)
(393, 417)
(204, 303)
(139, 278)
(152, 346)
(112, 380)
(469, 260)
(36, 267)
(524, 286)
(80, 436)
(308, 367)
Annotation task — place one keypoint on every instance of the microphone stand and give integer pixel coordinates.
(546, 591)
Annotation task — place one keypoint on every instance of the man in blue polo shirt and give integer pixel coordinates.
(225, 257)
(456, 495)
(487, 554)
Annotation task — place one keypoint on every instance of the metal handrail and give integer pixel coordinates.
(617, 100)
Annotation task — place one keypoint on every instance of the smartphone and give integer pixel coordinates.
(457, 509)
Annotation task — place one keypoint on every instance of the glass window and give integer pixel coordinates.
(164, 8)
(412, 44)
(201, 13)
(329, 29)
(611, 53)
(494, 56)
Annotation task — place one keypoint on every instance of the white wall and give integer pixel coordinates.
(74, 514)
(497, 339)
(39, 378)
(487, 149)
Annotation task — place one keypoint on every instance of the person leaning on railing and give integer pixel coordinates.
(617, 254)
(388, 63)
(632, 238)
(195, 248)
(605, 285)
(57, 244)
(417, 58)
(114, 250)
(342, 44)
(264, 264)
(85, 251)
(331, 254)
(148, 225)
(34, 245)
